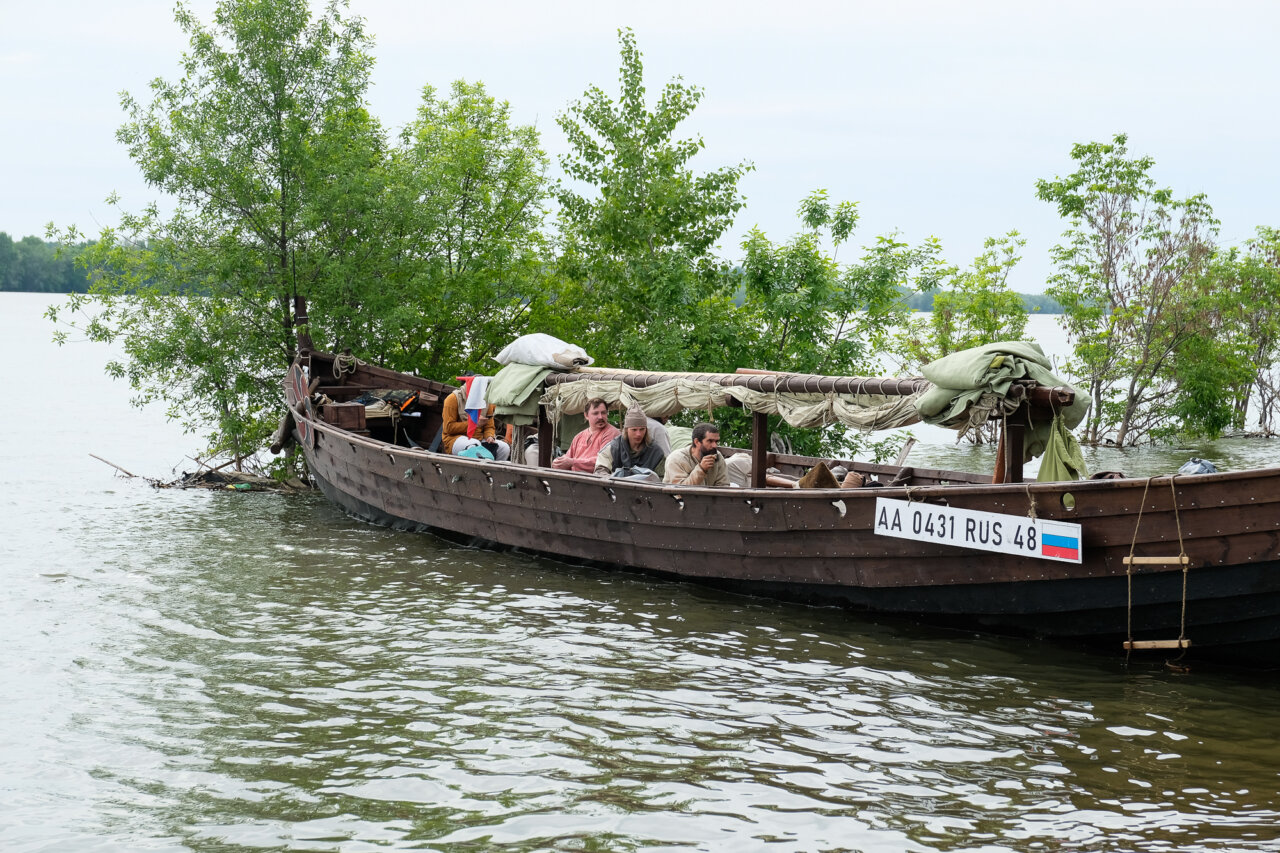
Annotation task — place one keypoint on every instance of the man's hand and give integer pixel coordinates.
(706, 462)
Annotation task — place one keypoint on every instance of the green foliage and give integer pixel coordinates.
(428, 254)
(1129, 280)
(803, 312)
(425, 257)
(638, 251)
(1246, 286)
(1040, 303)
(646, 288)
(1208, 367)
(256, 145)
(456, 231)
(973, 307)
(1032, 303)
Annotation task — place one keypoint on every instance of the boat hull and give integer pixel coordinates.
(821, 546)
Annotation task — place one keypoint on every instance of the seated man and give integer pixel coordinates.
(635, 448)
(585, 447)
(699, 464)
(457, 433)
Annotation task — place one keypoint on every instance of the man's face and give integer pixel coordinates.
(708, 443)
(635, 435)
(597, 417)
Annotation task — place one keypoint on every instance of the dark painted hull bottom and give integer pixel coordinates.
(1230, 628)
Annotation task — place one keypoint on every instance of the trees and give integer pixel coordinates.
(812, 314)
(1246, 284)
(648, 289)
(259, 146)
(640, 250)
(469, 197)
(283, 185)
(974, 307)
(1130, 285)
(804, 312)
(442, 259)
(34, 266)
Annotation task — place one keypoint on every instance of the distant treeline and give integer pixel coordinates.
(1035, 303)
(34, 265)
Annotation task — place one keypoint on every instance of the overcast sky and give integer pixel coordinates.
(937, 117)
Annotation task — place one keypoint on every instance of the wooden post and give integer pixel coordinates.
(1000, 473)
(759, 448)
(300, 321)
(1013, 453)
(1012, 446)
(546, 437)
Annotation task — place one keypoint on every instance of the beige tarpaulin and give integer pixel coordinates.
(969, 387)
(860, 411)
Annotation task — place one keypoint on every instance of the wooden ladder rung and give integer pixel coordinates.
(1157, 644)
(1182, 559)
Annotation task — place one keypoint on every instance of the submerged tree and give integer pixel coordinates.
(804, 312)
(250, 145)
(975, 306)
(1129, 280)
(283, 186)
(640, 247)
(463, 256)
(1246, 284)
(971, 308)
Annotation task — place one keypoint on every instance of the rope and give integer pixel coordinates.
(1128, 574)
(343, 364)
(1186, 566)
(1003, 440)
(1182, 559)
(1031, 501)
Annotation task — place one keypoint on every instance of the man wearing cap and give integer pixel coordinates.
(635, 448)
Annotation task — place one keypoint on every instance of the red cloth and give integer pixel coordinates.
(473, 414)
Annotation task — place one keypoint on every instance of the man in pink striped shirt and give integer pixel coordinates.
(586, 445)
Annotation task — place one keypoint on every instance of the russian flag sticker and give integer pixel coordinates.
(1061, 541)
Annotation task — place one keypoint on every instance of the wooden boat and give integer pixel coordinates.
(1168, 562)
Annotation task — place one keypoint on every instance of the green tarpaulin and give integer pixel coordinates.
(1062, 457)
(972, 385)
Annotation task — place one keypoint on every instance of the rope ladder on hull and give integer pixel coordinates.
(1180, 558)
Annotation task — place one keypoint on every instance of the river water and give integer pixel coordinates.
(219, 671)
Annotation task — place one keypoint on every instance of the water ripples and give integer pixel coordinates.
(265, 673)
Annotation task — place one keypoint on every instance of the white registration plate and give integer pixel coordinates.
(985, 531)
